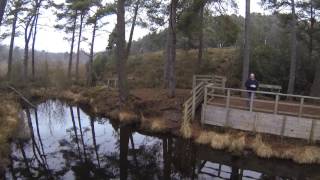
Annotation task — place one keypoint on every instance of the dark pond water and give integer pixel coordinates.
(66, 143)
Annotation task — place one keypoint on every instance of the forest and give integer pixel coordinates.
(280, 47)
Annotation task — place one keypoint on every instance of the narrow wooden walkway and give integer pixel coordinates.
(265, 112)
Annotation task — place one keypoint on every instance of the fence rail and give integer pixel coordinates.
(111, 83)
(219, 81)
(197, 93)
(264, 112)
(261, 101)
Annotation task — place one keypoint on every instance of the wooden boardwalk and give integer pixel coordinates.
(265, 112)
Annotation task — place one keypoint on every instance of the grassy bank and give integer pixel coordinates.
(146, 70)
(9, 120)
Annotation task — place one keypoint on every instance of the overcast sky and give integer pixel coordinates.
(52, 40)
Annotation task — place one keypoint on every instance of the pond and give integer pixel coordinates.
(63, 142)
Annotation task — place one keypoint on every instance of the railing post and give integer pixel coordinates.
(194, 83)
(251, 100)
(301, 106)
(283, 128)
(227, 108)
(194, 102)
(205, 95)
(311, 140)
(228, 99)
(276, 104)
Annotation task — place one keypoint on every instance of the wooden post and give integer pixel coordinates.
(284, 122)
(276, 104)
(256, 118)
(224, 80)
(194, 83)
(202, 115)
(251, 101)
(228, 108)
(204, 107)
(311, 140)
(205, 95)
(301, 107)
(228, 99)
(194, 102)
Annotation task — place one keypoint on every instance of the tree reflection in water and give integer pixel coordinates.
(92, 148)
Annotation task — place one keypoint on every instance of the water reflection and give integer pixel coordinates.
(66, 143)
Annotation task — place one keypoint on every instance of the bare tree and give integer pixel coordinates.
(134, 21)
(121, 52)
(171, 49)
(72, 43)
(293, 62)
(16, 5)
(246, 58)
(79, 43)
(37, 9)
(29, 22)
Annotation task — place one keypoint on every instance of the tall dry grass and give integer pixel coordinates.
(236, 142)
(9, 121)
(154, 124)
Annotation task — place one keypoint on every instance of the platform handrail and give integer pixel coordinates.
(264, 92)
(212, 92)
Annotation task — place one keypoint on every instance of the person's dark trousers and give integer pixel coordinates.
(249, 98)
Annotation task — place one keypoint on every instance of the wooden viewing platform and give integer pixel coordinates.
(266, 112)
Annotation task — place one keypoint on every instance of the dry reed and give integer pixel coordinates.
(261, 148)
(186, 130)
(127, 117)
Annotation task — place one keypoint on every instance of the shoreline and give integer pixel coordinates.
(153, 112)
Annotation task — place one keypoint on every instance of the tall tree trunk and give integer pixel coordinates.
(172, 48)
(293, 61)
(90, 75)
(315, 89)
(132, 27)
(246, 58)
(120, 51)
(79, 43)
(167, 55)
(13, 34)
(311, 30)
(33, 45)
(3, 4)
(27, 36)
(72, 44)
(200, 49)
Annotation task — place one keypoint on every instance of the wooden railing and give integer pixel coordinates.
(219, 81)
(197, 94)
(111, 83)
(270, 87)
(193, 102)
(187, 110)
(197, 97)
(261, 101)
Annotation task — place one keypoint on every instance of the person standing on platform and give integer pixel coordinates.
(252, 85)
